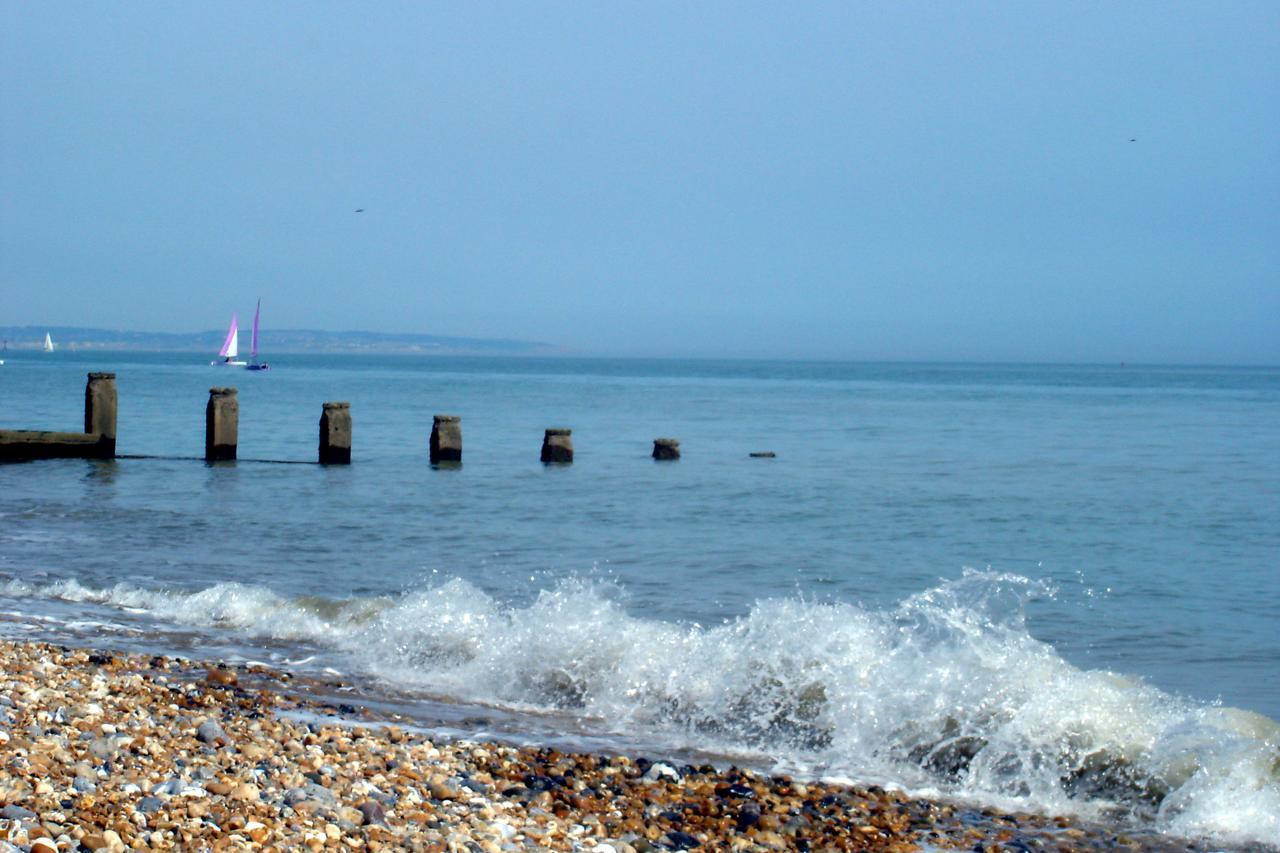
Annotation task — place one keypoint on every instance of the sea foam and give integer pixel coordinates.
(946, 692)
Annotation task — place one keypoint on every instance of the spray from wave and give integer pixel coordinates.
(948, 692)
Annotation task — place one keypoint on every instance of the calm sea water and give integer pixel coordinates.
(1051, 586)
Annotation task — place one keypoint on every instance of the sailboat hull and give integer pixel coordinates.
(229, 363)
(263, 366)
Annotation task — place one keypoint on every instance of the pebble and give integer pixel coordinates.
(293, 796)
(165, 754)
(660, 771)
(210, 732)
(371, 811)
(246, 792)
(148, 805)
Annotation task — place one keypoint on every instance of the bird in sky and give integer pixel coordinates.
(359, 210)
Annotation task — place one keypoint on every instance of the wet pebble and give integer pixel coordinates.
(158, 753)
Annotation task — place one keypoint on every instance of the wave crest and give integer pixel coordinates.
(948, 691)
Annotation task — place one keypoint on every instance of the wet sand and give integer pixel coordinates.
(109, 751)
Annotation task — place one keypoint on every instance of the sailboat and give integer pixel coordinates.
(254, 364)
(48, 342)
(230, 347)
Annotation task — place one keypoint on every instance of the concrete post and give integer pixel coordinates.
(335, 434)
(221, 424)
(666, 448)
(100, 411)
(557, 445)
(446, 439)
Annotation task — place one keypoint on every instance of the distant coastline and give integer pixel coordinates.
(74, 338)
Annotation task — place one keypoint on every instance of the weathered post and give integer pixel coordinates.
(335, 434)
(446, 439)
(557, 445)
(221, 425)
(666, 448)
(100, 412)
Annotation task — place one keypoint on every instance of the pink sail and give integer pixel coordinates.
(256, 311)
(231, 346)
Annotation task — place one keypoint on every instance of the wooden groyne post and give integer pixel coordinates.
(98, 441)
(100, 405)
(666, 449)
(335, 434)
(557, 445)
(221, 425)
(446, 439)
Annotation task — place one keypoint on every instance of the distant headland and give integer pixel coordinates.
(278, 341)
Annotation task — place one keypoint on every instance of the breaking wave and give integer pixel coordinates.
(945, 693)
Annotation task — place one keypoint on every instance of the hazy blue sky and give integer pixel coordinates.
(888, 180)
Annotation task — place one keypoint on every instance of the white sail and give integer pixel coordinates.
(231, 346)
(48, 342)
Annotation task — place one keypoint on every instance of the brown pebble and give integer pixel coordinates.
(246, 792)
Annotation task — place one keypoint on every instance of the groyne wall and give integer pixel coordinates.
(222, 427)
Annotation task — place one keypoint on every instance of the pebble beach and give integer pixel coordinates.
(105, 751)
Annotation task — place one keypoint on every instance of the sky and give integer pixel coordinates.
(1019, 181)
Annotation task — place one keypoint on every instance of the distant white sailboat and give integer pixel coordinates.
(230, 347)
(48, 342)
(254, 364)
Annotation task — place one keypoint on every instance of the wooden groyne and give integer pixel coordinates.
(98, 441)
(222, 427)
(666, 449)
(557, 446)
(335, 434)
(446, 439)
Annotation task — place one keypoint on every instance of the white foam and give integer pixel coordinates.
(946, 693)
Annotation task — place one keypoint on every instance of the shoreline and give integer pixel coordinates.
(116, 751)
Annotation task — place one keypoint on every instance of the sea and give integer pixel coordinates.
(1052, 588)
